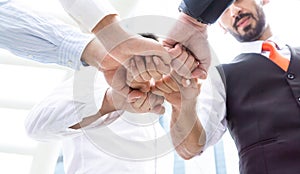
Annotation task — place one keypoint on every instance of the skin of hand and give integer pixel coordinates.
(118, 79)
(184, 63)
(122, 46)
(193, 35)
(135, 102)
(188, 135)
(143, 70)
(174, 92)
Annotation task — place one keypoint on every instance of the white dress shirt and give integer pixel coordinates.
(211, 107)
(119, 142)
(88, 12)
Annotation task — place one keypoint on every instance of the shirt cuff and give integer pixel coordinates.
(71, 49)
(88, 13)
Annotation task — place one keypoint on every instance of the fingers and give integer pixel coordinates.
(184, 62)
(166, 87)
(199, 72)
(156, 103)
(179, 61)
(151, 47)
(117, 79)
(139, 102)
(160, 66)
(141, 68)
(148, 102)
(134, 95)
(144, 68)
(151, 68)
(142, 86)
(169, 43)
(175, 51)
(138, 45)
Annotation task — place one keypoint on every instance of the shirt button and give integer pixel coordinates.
(290, 76)
(298, 99)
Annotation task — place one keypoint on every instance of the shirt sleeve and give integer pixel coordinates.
(205, 11)
(75, 99)
(211, 107)
(88, 13)
(40, 37)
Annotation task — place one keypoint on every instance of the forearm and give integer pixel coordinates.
(187, 133)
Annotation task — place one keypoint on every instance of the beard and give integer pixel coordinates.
(251, 32)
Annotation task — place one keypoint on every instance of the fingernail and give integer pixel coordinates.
(203, 75)
(187, 82)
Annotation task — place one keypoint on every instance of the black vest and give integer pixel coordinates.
(263, 113)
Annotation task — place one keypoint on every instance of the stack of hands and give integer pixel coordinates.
(144, 82)
(143, 73)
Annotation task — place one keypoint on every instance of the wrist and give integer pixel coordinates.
(93, 54)
(107, 20)
(113, 36)
(190, 20)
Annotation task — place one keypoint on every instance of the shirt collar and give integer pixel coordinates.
(255, 46)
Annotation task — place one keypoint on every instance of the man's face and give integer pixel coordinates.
(245, 20)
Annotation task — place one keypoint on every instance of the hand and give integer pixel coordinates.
(142, 70)
(145, 68)
(122, 45)
(122, 97)
(174, 92)
(116, 77)
(135, 102)
(183, 62)
(193, 35)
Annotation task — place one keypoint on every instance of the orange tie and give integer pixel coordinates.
(275, 56)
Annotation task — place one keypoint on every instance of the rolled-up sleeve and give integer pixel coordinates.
(40, 37)
(88, 12)
(75, 99)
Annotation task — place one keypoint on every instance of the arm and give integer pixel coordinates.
(102, 19)
(69, 104)
(187, 132)
(81, 102)
(193, 35)
(40, 37)
(210, 111)
(188, 135)
(190, 29)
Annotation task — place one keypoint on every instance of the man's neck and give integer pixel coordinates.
(267, 33)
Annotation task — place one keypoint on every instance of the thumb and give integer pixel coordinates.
(150, 47)
(175, 51)
(199, 72)
(135, 95)
(169, 43)
(159, 109)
